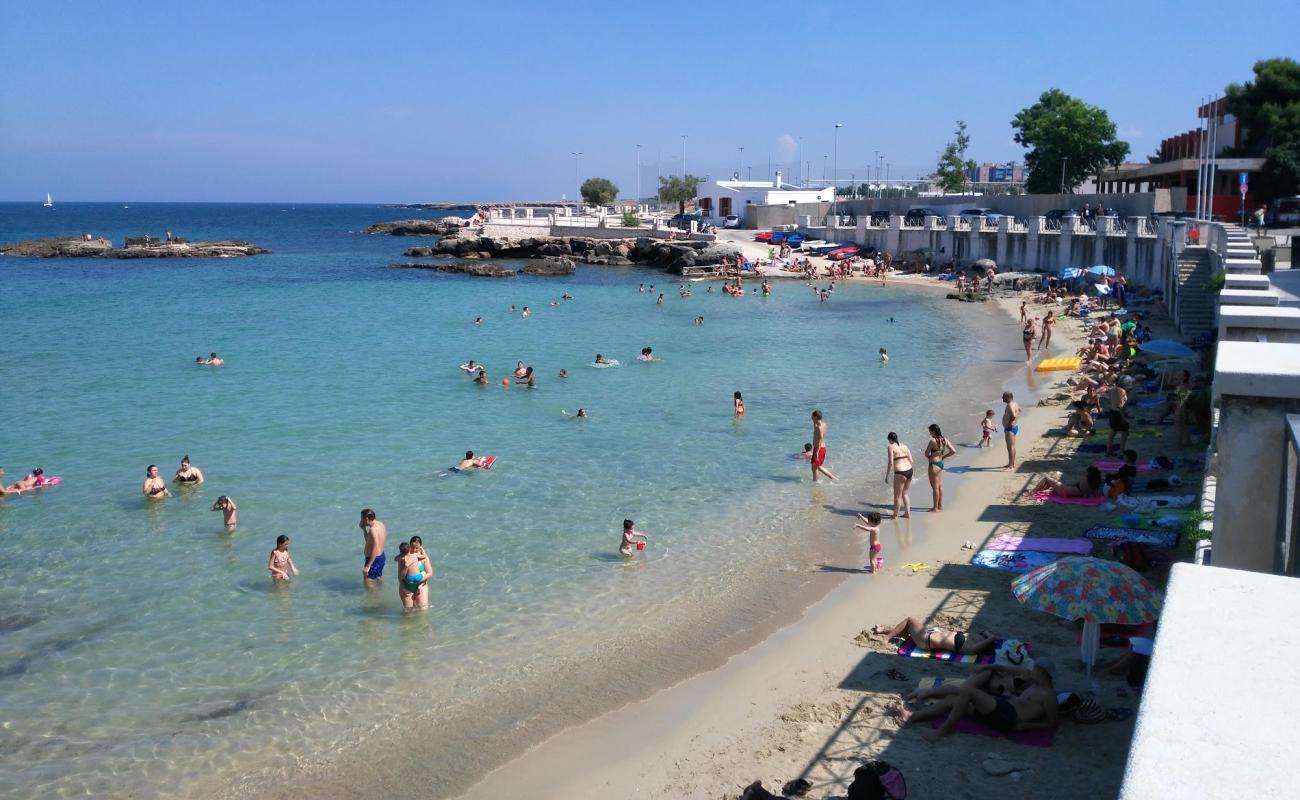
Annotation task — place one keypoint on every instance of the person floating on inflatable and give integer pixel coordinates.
(630, 537)
(470, 462)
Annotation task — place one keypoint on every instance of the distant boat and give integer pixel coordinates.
(49, 201)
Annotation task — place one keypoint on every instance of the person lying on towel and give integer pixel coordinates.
(1029, 705)
(1090, 486)
(937, 638)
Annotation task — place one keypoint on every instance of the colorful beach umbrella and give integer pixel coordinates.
(1167, 349)
(1094, 590)
(1069, 273)
(1101, 269)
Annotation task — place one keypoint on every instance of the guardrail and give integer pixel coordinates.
(1019, 225)
(1288, 520)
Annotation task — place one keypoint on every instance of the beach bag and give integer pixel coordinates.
(1011, 653)
(877, 780)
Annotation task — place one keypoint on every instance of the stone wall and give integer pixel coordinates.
(1135, 204)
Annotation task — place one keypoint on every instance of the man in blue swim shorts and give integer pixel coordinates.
(1010, 426)
(375, 534)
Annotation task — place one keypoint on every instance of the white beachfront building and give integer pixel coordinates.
(723, 198)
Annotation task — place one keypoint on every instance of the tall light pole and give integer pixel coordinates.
(638, 177)
(799, 166)
(741, 171)
(876, 163)
(835, 174)
(825, 157)
(683, 157)
(578, 196)
(1063, 161)
(886, 177)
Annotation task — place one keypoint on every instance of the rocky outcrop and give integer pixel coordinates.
(672, 256)
(136, 248)
(539, 267)
(419, 227)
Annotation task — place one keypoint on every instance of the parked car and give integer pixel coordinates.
(765, 236)
(778, 237)
(879, 217)
(731, 221)
(987, 213)
(684, 221)
(1059, 214)
(917, 215)
(1284, 212)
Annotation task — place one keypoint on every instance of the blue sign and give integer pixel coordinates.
(1243, 178)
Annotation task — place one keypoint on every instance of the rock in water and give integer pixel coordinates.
(554, 265)
(136, 248)
(419, 227)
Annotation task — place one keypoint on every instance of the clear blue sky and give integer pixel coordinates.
(411, 101)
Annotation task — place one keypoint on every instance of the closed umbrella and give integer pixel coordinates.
(1102, 269)
(1090, 589)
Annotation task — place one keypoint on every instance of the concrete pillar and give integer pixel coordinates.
(1004, 232)
(1064, 243)
(949, 240)
(860, 230)
(1131, 252)
(528, 213)
(1031, 243)
(1259, 323)
(1255, 386)
(1099, 245)
(894, 235)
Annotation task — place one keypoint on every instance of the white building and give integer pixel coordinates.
(723, 198)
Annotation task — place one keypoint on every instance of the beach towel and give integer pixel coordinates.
(1167, 539)
(1156, 502)
(973, 727)
(1006, 541)
(1012, 561)
(1068, 501)
(910, 650)
(1152, 522)
(1092, 447)
(1113, 465)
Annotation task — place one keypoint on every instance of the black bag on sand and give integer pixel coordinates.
(755, 791)
(877, 780)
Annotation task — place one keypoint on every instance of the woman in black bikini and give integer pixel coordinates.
(154, 488)
(936, 451)
(188, 474)
(1030, 333)
(899, 463)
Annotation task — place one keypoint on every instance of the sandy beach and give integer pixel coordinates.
(816, 698)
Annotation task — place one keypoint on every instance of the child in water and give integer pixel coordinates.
(228, 509)
(871, 524)
(988, 427)
(884, 357)
(807, 452)
(280, 562)
(739, 403)
(630, 536)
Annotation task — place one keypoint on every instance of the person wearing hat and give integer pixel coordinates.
(1029, 701)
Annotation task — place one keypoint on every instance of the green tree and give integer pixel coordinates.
(1269, 109)
(1063, 131)
(675, 189)
(953, 164)
(598, 191)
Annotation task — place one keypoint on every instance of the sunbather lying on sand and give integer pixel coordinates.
(1090, 486)
(937, 638)
(1030, 705)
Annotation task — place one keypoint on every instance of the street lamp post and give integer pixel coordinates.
(1063, 162)
(799, 166)
(741, 171)
(835, 174)
(578, 196)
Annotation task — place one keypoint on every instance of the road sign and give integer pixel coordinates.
(1243, 178)
(1244, 187)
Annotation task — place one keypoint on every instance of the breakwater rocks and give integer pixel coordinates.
(136, 247)
(644, 251)
(419, 227)
(547, 266)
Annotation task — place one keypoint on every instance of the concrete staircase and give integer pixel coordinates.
(1195, 302)
(1244, 284)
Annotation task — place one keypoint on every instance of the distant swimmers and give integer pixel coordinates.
(154, 488)
(528, 379)
(482, 377)
(526, 313)
(472, 462)
(600, 359)
(478, 320)
(281, 563)
(188, 473)
(563, 374)
(213, 360)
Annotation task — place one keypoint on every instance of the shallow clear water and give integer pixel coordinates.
(142, 646)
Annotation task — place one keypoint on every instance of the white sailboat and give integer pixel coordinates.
(49, 202)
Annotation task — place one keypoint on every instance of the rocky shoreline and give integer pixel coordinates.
(546, 267)
(643, 251)
(136, 247)
(418, 227)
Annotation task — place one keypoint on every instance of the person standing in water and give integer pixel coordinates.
(375, 534)
(898, 465)
(280, 562)
(1028, 335)
(630, 537)
(228, 509)
(738, 403)
(154, 488)
(188, 474)
(884, 357)
(1010, 427)
(819, 446)
(936, 450)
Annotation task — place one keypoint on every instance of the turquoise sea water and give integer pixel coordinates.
(143, 649)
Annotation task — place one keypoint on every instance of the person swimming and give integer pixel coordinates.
(647, 354)
(563, 374)
(471, 367)
(478, 320)
(600, 359)
(582, 414)
(188, 474)
(884, 357)
(471, 462)
(214, 360)
(482, 377)
(154, 488)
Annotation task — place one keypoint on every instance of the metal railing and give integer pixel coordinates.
(1148, 227)
(962, 224)
(1288, 520)
(1118, 227)
(913, 222)
(941, 222)
(1019, 225)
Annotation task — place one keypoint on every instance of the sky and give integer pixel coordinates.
(432, 101)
